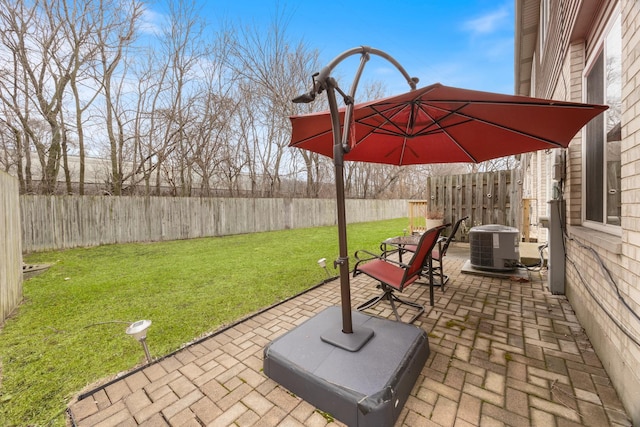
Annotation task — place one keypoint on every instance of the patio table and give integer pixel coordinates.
(399, 244)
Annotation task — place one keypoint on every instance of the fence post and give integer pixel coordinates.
(526, 215)
(10, 246)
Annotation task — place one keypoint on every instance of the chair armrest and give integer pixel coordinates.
(385, 251)
(371, 256)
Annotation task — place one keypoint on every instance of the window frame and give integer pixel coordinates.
(597, 53)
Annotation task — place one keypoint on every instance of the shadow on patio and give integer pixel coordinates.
(503, 352)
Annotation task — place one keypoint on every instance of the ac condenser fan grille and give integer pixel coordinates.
(494, 247)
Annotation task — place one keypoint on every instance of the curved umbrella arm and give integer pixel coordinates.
(364, 50)
(319, 79)
(324, 81)
(352, 94)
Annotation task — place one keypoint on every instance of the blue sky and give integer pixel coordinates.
(460, 43)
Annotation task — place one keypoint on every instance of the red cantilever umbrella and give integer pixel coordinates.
(441, 124)
(435, 124)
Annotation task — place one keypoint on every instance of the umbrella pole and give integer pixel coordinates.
(347, 338)
(343, 258)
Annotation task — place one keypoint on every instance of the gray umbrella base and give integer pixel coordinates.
(367, 387)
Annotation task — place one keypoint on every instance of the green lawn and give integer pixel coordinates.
(69, 332)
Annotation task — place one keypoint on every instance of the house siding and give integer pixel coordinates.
(630, 152)
(576, 61)
(602, 269)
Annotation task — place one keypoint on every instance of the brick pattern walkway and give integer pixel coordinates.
(503, 352)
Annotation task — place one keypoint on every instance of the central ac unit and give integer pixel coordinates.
(494, 247)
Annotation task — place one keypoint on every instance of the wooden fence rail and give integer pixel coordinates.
(487, 198)
(61, 222)
(10, 246)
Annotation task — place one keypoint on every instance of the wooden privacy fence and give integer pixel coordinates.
(10, 246)
(487, 198)
(61, 222)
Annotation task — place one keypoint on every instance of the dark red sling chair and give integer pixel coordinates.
(396, 276)
(438, 253)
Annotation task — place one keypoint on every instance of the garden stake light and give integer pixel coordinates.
(139, 331)
(322, 262)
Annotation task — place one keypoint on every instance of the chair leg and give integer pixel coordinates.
(428, 274)
(415, 305)
(373, 301)
(388, 295)
(431, 284)
(442, 278)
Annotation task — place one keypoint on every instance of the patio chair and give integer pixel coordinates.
(396, 276)
(440, 251)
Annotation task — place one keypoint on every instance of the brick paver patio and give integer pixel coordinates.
(503, 352)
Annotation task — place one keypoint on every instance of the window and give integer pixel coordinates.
(603, 134)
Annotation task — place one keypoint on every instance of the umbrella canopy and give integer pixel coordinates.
(435, 124)
(442, 124)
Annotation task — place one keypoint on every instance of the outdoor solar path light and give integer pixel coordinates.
(138, 330)
(322, 262)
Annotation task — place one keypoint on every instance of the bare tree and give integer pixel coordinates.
(190, 111)
(81, 79)
(502, 163)
(184, 47)
(32, 35)
(220, 155)
(169, 106)
(274, 71)
(149, 138)
(15, 143)
(115, 33)
(52, 43)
